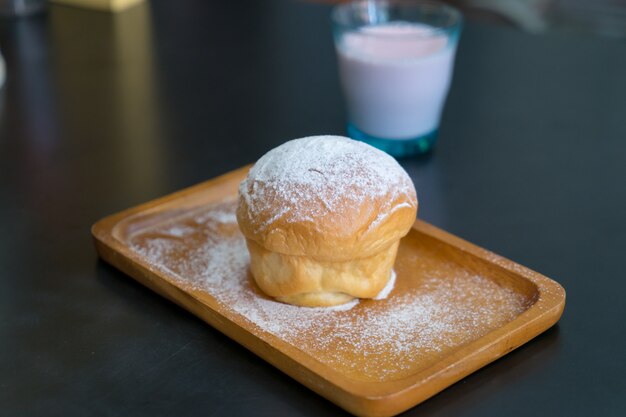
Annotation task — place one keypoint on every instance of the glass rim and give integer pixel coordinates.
(338, 16)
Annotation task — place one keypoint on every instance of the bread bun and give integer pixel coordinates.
(323, 217)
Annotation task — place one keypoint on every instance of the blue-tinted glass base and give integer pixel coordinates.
(399, 148)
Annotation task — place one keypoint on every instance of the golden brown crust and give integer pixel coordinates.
(302, 280)
(351, 232)
(323, 217)
(327, 197)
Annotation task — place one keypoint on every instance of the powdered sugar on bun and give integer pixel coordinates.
(329, 197)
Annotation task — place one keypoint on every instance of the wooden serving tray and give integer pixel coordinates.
(455, 307)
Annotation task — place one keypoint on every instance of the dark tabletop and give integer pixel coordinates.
(101, 112)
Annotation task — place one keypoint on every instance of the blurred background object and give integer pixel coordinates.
(128, 94)
(106, 5)
(11, 8)
(77, 78)
(601, 17)
(2, 70)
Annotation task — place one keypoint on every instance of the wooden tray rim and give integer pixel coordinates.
(382, 398)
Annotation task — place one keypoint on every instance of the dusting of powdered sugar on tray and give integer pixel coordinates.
(367, 340)
(321, 175)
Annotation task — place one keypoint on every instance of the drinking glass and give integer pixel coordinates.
(396, 59)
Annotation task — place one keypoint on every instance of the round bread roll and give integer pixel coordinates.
(323, 217)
